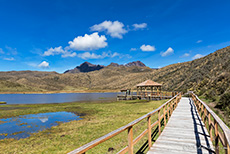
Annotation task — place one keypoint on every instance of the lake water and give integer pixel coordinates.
(55, 98)
(23, 126)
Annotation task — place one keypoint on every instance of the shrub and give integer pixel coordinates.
(224, 101)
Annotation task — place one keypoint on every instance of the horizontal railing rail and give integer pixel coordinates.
(213, 123)
(167, 109)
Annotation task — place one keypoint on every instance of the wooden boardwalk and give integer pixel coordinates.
(185, 132)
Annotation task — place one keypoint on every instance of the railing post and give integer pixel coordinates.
(164, 116)
(149, 132)
(130, 140)
(226, 146)
(216, 137)
(210, 126)
(168, 111)
(202, 112)
(159, 121)
(228, 149)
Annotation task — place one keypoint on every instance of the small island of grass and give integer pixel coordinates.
(1, 102)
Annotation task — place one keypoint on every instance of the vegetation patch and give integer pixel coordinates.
(2, 102)
(99, 119)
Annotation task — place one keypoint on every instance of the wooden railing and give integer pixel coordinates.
(218, 131)
(167, 109)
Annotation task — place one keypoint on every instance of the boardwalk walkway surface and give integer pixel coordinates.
(185, 133)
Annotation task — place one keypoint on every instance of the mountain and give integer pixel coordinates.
(208, 76)
(88, 67)
(135, 63)
(114, 64)
(85, 67)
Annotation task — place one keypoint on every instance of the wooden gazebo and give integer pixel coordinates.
(149, 88)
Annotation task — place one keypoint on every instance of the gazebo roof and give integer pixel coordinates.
(149, 83)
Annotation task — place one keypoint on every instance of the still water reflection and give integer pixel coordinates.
(55, 98)
(23, 126)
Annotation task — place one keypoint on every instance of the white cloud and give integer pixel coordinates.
(44, 64)
(59, 50)
(114, 29)
(133, 49)
(88, 42)
(199, 41)
(197, 56)
(88, 55)
(139, 26)
(185, 55)
(69, 54)
(168, 52)
(147, 48)
(9, 59)
(1, 51)
(54, 51)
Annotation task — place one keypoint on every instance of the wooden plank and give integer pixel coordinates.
(221, 138)
(159, 121)
(140, 136)
(164, 116)
(149, 132)
(130, 140)
(221, 124)
(210, 126)
(94, 143)
(216, 138)
(183, 132)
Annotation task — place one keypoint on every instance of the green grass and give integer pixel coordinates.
(98, 119)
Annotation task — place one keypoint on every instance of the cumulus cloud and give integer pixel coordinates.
(168, 52)
(185, 55)
(199, 41)
(147, 48)
(133, 49)
(54, 51)
(44, 64)
(9, 59)
(139, 26)
(114, 29)
(59, 51)
(69, 54)
(197, 56)
(88, 55)
(88, 42)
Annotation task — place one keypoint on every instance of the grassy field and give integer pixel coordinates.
(99, 118)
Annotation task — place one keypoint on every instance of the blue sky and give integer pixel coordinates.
(56, 35)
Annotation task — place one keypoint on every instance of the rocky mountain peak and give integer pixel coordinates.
(136, 63)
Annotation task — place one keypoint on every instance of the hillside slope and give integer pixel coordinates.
(209, 76)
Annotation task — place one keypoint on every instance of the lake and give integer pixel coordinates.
(22, 126)
(56, 98)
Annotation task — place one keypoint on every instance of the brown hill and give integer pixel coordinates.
(208, 76)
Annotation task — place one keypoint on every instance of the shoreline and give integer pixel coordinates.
(59, 92)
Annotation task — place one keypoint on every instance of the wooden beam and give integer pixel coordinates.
(164, 116)
(159, 121)
(130, 140)
(149, 132)
(216, 137)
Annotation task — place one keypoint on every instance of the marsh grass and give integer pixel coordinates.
(98, 119)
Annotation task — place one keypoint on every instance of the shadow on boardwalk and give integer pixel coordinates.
(184, 133)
